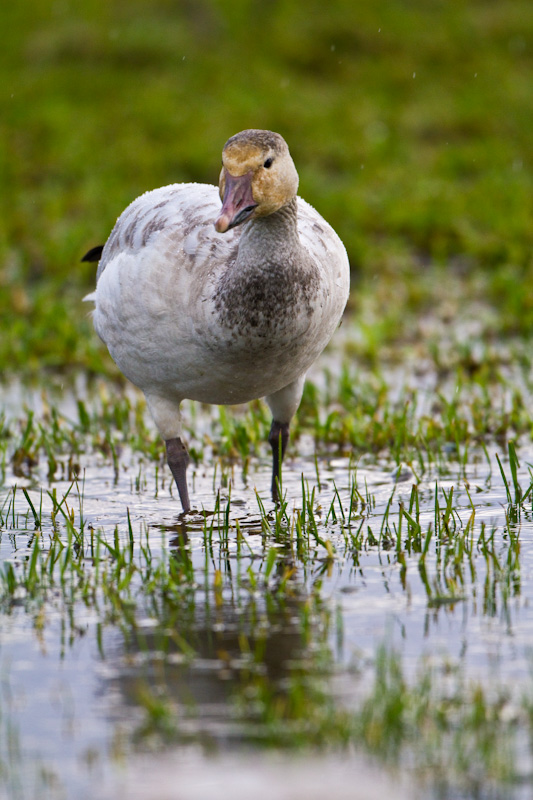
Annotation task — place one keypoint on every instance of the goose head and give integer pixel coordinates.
(258, 177)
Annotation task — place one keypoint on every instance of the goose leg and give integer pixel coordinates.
(167, 417)
(278, 439)
(178, 461)
(283, 405)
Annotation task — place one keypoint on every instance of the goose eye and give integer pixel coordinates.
(268, 163)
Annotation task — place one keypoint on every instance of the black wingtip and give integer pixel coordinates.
(94, 254)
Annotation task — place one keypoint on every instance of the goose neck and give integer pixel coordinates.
(275, 233)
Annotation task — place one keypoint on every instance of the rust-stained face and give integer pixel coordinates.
(258, 177)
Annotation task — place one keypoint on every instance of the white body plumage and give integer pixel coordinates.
(158, 307)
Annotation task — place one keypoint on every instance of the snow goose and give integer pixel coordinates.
(221, 305)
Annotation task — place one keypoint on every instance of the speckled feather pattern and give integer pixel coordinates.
(187, 312)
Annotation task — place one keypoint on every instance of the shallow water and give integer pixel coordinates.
(73, 721)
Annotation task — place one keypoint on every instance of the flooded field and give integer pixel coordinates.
(380, 615)
(372, 637)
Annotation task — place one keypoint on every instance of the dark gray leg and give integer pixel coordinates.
(178, 461)
(279, 432)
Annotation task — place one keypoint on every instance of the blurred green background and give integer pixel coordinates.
(410, 123)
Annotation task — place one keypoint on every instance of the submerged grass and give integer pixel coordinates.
(258, 609)
(174, 610)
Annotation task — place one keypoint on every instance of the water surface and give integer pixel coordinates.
(81, 680)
